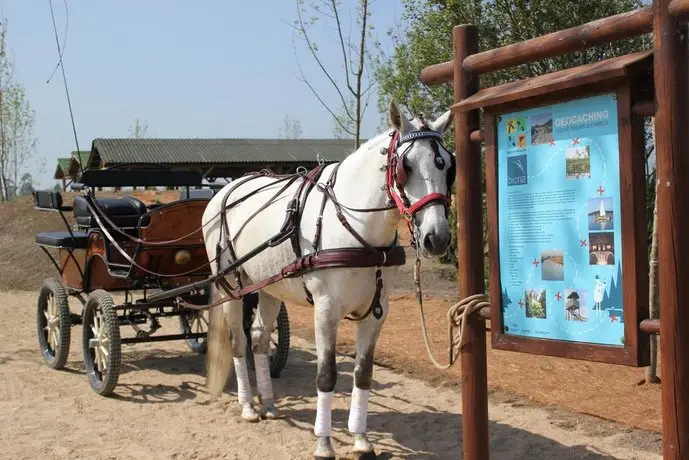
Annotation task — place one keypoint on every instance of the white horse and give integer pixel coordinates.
(420, 188)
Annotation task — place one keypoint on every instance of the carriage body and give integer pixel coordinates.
(122, 245)
(90, 261)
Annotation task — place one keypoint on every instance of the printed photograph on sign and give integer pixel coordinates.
(578, 162)
(552, 265)
(535, 303)
(541, 128)
(602, 248)
(576, 305)
(600, 213)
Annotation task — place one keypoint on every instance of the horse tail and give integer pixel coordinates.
(218, 349)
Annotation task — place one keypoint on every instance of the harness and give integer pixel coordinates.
(352, 257)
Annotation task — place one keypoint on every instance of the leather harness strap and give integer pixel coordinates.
(366, 256)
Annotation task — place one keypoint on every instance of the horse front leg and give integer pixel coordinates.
(367, 333)
(326, 319)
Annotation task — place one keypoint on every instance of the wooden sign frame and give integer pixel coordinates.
(635, 350)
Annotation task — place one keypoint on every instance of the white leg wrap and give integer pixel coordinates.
(323, 412)
(358, 411)
(265, 386)
(243, 385)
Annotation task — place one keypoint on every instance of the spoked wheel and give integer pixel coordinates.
(279, 341)
(54, 324)
(193, 322)
(101, 342)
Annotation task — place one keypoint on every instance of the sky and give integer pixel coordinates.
(191, 68)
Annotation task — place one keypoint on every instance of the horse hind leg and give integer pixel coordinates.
(261, 330)
(234, 311)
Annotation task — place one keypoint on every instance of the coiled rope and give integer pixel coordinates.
(457, 316)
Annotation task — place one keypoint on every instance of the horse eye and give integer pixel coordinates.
(405, 165)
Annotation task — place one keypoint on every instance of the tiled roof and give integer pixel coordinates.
(213, 151)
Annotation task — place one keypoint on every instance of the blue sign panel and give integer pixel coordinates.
(559, 222)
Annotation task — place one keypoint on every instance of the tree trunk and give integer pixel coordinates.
(654, 308)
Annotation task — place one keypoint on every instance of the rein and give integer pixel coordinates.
(359, 257)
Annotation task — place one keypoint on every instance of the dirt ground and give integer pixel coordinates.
(162, 411)
(606, 391)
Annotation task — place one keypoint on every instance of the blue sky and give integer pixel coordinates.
(206, 68)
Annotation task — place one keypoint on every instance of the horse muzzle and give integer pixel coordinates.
(435, 243)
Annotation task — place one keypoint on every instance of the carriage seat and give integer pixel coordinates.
(63, 240)
(124, 212)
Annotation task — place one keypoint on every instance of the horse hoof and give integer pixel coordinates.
(318, 457)
(270, 414)
(249, 415)
(251, 418)
(371, 455)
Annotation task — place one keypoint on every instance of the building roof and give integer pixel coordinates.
(77, 160)
(107, 152)
(61, 168)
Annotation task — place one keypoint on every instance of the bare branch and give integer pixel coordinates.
(310, 46)
(318, 97)
(342, 45)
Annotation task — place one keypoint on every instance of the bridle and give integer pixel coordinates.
(396, 175)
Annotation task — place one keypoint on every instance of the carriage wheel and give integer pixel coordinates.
(101, 342)
(194, 322)
(279, 343)
(54, 323)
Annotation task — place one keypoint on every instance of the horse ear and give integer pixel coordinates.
(442, 122)
(397, 119)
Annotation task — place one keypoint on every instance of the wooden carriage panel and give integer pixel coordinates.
(166, 260)
(176, 220)
(97, 274)
(97, 246)
(98, 277)
(72, 267)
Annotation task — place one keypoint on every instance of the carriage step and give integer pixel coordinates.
(119, 273)
(185, 289)
(74, 319)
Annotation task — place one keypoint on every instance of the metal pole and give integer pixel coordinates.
(672, 162)
(470, 252)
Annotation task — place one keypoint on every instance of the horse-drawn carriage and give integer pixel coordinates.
(121, 245)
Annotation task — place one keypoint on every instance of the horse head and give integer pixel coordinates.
(420, 174)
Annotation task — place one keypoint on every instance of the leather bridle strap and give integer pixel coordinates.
(395, 189)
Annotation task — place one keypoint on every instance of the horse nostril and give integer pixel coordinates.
(428, 242)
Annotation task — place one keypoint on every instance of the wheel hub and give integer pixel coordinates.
(52, 323)
(99, 342)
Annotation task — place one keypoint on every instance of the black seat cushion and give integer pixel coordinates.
(63, 239)
(123, 212)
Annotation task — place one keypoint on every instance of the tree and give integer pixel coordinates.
(17, 143)
(291, 129)
(425, 38)
(353, 94)
(651, 371)
(26, 185)
(139, 130)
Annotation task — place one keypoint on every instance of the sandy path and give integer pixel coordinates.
(162, 410)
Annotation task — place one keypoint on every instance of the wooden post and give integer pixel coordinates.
(672, 160)
(470, 251)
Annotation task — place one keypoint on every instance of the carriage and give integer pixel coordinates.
(121, 247)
